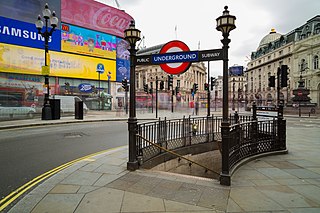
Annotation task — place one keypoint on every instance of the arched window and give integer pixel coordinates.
(316, 62)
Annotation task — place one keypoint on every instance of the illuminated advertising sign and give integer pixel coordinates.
(28, 10)
(17, 59)
(236, 70)
(96, 16)
(123, 63)
(123, 69)
(79, 40)
(26, 34)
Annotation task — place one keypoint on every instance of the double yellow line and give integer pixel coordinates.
(18, 192)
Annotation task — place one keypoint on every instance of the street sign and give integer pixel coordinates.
(45, 70)
(176, 57)
(143, 60)
(174, 67)
(211, 55)
(100, 68)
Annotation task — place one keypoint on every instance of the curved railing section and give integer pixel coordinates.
(246, 136)
(176, 133)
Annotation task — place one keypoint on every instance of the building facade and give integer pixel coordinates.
(80, 43)
(299, 50)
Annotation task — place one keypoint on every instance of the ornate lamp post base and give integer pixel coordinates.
(132, 166)
(225, 179)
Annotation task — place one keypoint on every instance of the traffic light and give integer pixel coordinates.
(170, 82)
(145, 88)
(206, 86)
(177, 90)
(195, 88)
(272, 81)
(213, 82)
(125, 85)
(161, 85)
(284, 75)
(150, 91)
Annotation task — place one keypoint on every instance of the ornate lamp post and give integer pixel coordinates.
(225, 24)
(46, 110)
(132, 35)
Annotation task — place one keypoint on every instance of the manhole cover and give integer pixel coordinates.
(74, 135)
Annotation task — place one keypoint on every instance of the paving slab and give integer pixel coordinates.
(172, 206)
(305, 210)
(65, 189)
(249, 174)
(26, 204)
(101, 200)
(213, 197)
(274, 173)
(285, 196)
(82, 178)
(250, 199)
(302, 173)
(62, 203)
(133, 202)
(311, 192)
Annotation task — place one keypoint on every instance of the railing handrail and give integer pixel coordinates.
(176, 154)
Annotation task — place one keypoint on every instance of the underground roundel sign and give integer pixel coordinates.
(175, 57)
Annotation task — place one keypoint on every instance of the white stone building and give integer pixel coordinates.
(300, 50)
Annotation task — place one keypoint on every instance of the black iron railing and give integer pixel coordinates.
(177, 133)
(246, 136)
(252, 138)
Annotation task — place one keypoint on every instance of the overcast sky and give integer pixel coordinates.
(196, 22)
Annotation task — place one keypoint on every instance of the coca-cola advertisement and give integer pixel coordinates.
(94, 15)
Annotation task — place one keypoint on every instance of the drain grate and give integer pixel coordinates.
(73, 135)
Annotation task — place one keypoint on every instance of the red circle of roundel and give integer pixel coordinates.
(184, 65)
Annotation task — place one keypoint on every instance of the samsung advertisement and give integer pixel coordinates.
(26, 34)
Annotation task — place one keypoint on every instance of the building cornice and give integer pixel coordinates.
(269, 62)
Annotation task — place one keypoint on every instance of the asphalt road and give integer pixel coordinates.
(29, 152)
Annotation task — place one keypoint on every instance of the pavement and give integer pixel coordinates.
(101, 183)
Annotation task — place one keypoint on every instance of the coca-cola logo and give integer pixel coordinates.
(106, 18)
(95, 15)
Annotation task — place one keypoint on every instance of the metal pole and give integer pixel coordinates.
(99, 91)
(46, 109)
(172, 98)
(225, 178)
(126, 101)
(108, 84)
(208, 105)
(225, 110)
(132, 120)
(215, 100)
(238, 101)
(233, 104)
(156, 96)
(46, 47)
(151, 101)
(278, 86)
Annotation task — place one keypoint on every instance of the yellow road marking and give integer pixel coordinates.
(18, 192)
